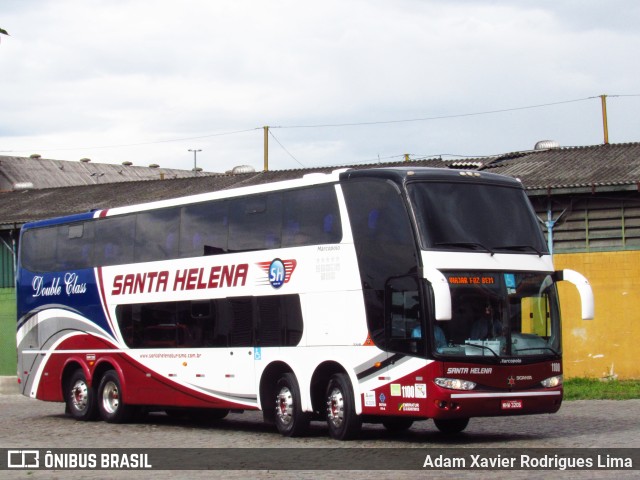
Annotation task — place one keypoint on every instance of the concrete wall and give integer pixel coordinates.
(603, 346)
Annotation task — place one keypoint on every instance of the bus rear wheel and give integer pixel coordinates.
(110, 402)
(290, 419)
(342, 420)
(80, 397)
(451, 426)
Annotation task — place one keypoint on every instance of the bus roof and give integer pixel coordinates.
(399, 175)
(407, 174)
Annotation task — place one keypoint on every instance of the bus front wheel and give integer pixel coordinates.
(110, 402)
(451, 426)
(343, 422)
(80, 397)
(290, 419)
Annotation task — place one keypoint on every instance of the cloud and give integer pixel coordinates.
(94, 74)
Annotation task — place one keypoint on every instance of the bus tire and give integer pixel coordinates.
(290, 420)
(451, 426)
(397, 424)
(80, 397)
(111, 405)
(342, 420)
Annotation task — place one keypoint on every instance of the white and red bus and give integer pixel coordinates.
(384, 295)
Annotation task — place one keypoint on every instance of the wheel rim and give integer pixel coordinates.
(80, 395)
(284, 406)
(110, 397)
(335, 407)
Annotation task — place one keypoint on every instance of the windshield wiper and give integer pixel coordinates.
(478, 346)
(520, 247)
(470, 245)
(536, 348)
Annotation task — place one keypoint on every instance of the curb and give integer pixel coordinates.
(9, 386)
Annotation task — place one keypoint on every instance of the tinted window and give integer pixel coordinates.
(241, 322)
(311, 216)
(204, 229)
(281, 219)
(75, 246)
(38, 249)
(255, 223)
(235, 322)
(279, 320)
(405, 325)
(479, 216)
(157, 235)
(114, 240)
(382, 231)
(384, 244)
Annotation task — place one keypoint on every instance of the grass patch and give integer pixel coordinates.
(594, 389)
(7, 331)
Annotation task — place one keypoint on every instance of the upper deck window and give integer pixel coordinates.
(483, 217)
(288, 218)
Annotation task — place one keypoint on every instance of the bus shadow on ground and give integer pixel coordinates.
(422, 432)
(483, 431)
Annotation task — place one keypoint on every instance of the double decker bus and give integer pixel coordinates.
(382, 295)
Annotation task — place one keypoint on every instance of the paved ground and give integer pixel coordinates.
(26, 423)
(8, 385)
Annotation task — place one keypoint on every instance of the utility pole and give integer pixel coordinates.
(195, 163)
(266, 148)
(603, 100)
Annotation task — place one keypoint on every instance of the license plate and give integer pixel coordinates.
(511, 404)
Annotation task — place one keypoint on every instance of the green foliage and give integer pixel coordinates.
(595, 389)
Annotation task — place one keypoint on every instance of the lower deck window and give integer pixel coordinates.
(229, 322)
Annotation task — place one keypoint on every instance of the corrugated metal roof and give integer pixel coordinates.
(47, 173)
(572, 168)
(18, 207)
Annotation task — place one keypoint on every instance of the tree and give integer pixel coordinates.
(3, 32)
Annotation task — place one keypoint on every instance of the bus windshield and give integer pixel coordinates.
(500, 315)
(475, 217)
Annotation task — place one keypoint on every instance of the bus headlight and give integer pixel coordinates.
(455, 383)
(552, 381)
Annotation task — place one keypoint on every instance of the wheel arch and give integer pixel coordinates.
(71, 365)
(267, 388)
(312, 395)
(320, 380)
(104, 365)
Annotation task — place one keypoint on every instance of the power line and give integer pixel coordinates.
(333, 125)
(438, 117)
(282, 146)
(140, 143)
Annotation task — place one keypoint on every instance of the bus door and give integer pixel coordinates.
(235, 325)
(405, 322)
(406, 340)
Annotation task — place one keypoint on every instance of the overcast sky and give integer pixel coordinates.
(339, 81)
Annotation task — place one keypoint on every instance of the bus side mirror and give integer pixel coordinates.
(584, 288)
(441, 293)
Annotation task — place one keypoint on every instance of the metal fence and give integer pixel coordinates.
(7, 261)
